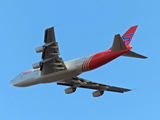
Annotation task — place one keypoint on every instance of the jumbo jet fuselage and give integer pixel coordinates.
(74, 68)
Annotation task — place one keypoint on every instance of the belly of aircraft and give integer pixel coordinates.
(62, 75)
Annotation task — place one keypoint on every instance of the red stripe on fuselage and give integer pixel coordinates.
(102, 58)
(85, 65)
(88, 61)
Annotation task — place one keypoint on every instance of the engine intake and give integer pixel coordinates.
(97, 93)
(40, 49)
(70, 90)
(36, 65)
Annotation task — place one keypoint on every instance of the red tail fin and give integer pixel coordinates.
(127, 37)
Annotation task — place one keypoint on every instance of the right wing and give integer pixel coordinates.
(83, 83)
(51, 52)
(51, 62)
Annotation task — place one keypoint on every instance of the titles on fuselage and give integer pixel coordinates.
(30, 71)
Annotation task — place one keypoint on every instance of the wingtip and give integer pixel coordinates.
(129, 90)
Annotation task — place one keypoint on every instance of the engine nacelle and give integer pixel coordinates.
(36, 65)
(40, 49)
(97, 93)
(70, 90)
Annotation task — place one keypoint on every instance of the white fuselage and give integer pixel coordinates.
(33, 76)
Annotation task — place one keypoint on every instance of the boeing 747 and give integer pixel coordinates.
(52, 68)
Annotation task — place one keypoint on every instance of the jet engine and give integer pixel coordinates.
(97, 93)
(70, 90)
(40, 49)
(36, 65)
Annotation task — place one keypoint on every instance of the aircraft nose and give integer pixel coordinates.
(12, 82)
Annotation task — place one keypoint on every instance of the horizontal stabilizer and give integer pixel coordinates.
(118, 44)
(133, 54)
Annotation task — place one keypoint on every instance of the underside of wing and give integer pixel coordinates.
(83, 83)
(51, 62)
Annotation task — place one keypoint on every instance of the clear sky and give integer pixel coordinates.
(84, 27)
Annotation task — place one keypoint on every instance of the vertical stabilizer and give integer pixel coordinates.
(127, 37)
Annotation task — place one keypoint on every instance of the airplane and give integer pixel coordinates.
(52, 68)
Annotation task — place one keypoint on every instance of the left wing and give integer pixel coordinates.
(83, 83)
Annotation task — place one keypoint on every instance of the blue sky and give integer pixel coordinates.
(83, 27)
